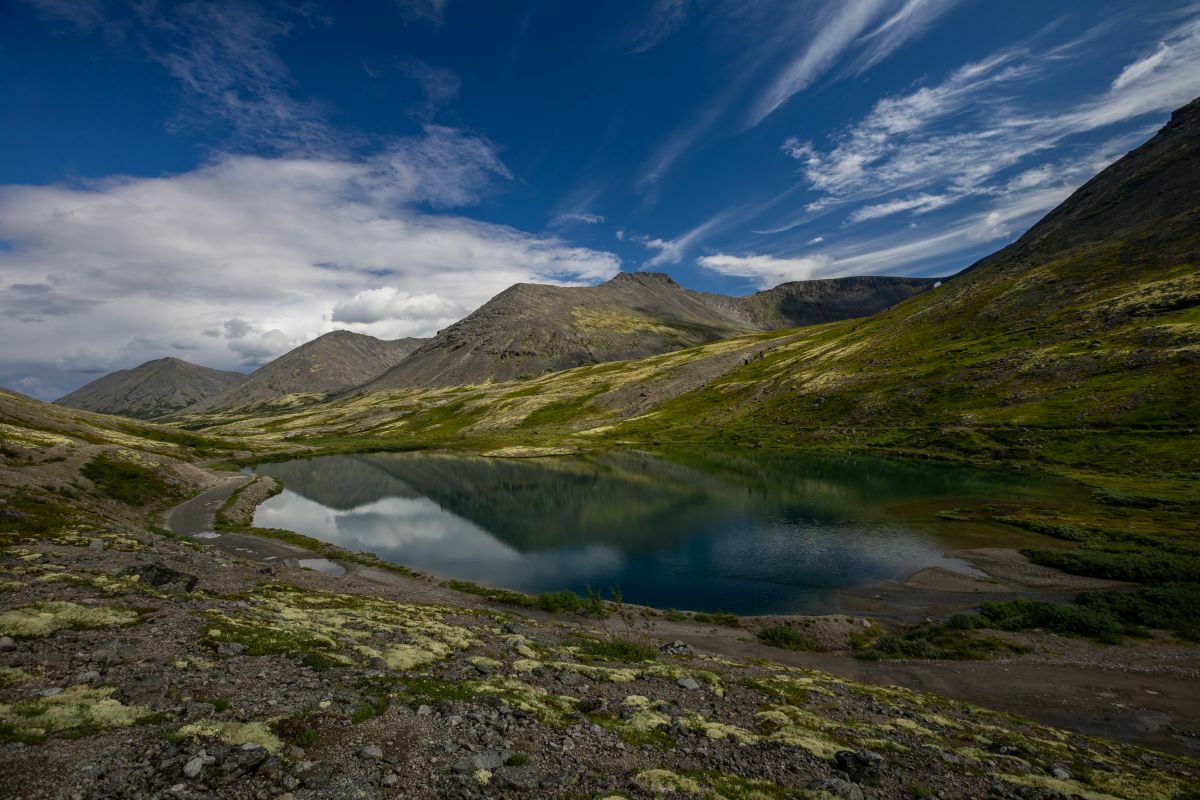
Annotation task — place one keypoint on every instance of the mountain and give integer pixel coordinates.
(154, 389)
(1075, 348)
(1078, 345)
(330, 363)
(530, 329)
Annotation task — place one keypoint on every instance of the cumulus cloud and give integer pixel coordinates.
(390, 303)
(264, 251)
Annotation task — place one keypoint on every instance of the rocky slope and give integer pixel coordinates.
(154, 389)
(531, 329)
(330, 363)
(134, 664)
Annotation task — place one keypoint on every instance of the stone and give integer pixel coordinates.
(689, 683)
(391, 779)
(371, 752)
(162, 577)
(860, 766)
(839, 788)
(677, 648)
(231, 648)
(7, 644)
(424, 710)
(1060, 772)
(378, 664)
(193, 767)
(522, 778)
(485, 759)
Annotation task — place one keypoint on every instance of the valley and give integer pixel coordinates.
(865, 537)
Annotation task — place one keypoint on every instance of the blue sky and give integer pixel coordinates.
(223, 180)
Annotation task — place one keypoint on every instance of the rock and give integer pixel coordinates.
(371, 753)
(194, 767)
(1060, 772)
(7, 644)
(424, 710)
(378, 664)
(677, 648)
(838, 788)
(231, 648)
(391, 779)
(485, 759)
(862, 766)
(162, 577)
(522, 778)
(688, 683)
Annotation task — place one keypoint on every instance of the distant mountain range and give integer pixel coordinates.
(154, 389)
(331, 363)
(531, 329)
(528, 329)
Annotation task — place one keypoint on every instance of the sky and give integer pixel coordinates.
(222, 180)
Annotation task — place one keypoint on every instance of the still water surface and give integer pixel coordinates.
(774, 535)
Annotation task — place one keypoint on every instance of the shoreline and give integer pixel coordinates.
(1131, 692)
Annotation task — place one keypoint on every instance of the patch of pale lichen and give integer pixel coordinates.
(46, 618)
(341, 628)
(233, 733)
(13, 676)
(550, 709)
(77, 710)
(664, 781)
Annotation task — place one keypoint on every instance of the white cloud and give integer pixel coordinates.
(672, 251)
(390, 303)
(657, 25)
(581, 217)
(910, 21)
(262, 347)
(270, 246)
(766, 271)
(836, 29)
(917, 204)
(961, 138)
(816, 240)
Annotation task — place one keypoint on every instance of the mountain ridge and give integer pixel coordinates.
(333, 362)
(530, 329)
(154, 389)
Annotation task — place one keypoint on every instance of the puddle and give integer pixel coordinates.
(322, 565)
(206, 535)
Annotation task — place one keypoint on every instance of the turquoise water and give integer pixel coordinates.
(751, 536)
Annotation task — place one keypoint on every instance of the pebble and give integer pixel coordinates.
(689, 683)
(371, 752)
(7, 644)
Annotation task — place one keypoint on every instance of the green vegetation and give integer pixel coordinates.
(564, 601)
(934, 641)
(76, 711)
(718, 618)
(616, 648)
(125, 481)
(46, 618)
(784, 636)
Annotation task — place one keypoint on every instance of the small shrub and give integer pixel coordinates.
(785, 637)
(616, 648)
(132, 484)
(718, 618)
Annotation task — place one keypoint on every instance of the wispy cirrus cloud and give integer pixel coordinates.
(911, 20)
(658, 24)
(962, 137)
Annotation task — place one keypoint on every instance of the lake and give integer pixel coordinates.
(748, 535)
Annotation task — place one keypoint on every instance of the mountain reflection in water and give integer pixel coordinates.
(763, 535)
